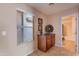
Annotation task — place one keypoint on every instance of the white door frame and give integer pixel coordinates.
(76, 38)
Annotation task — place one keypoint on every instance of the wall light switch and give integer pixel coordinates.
(4, 33)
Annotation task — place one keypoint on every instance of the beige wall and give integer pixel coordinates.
(8, 43)
(7, 23)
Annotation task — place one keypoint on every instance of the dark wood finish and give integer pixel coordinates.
(53, 39)
(46, 41)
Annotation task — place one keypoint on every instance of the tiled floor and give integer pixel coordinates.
(54, 51)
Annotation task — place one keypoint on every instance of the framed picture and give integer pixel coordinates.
(40, 24)
(39, 27)
(39, 21)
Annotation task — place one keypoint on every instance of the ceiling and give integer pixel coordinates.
(48, 10)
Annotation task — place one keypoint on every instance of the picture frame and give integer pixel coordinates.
(40, 21)
(40, 24)
(39, 28)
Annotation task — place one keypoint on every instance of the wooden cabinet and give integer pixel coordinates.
(46, 41)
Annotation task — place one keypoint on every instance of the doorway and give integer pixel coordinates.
(69, 33)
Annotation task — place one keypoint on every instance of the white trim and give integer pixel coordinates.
(61, 31)
(29, 53)
(77, 31)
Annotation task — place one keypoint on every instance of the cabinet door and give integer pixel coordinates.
(53, 40)
(48, 41)
(41, 43)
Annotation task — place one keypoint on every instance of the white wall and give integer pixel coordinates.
(7, 16)
(8, 43)
(56, 21)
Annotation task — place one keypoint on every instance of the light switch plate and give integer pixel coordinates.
(4, 33)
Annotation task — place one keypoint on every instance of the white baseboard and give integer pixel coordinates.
(29, 53)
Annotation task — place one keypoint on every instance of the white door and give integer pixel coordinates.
(70, 32)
